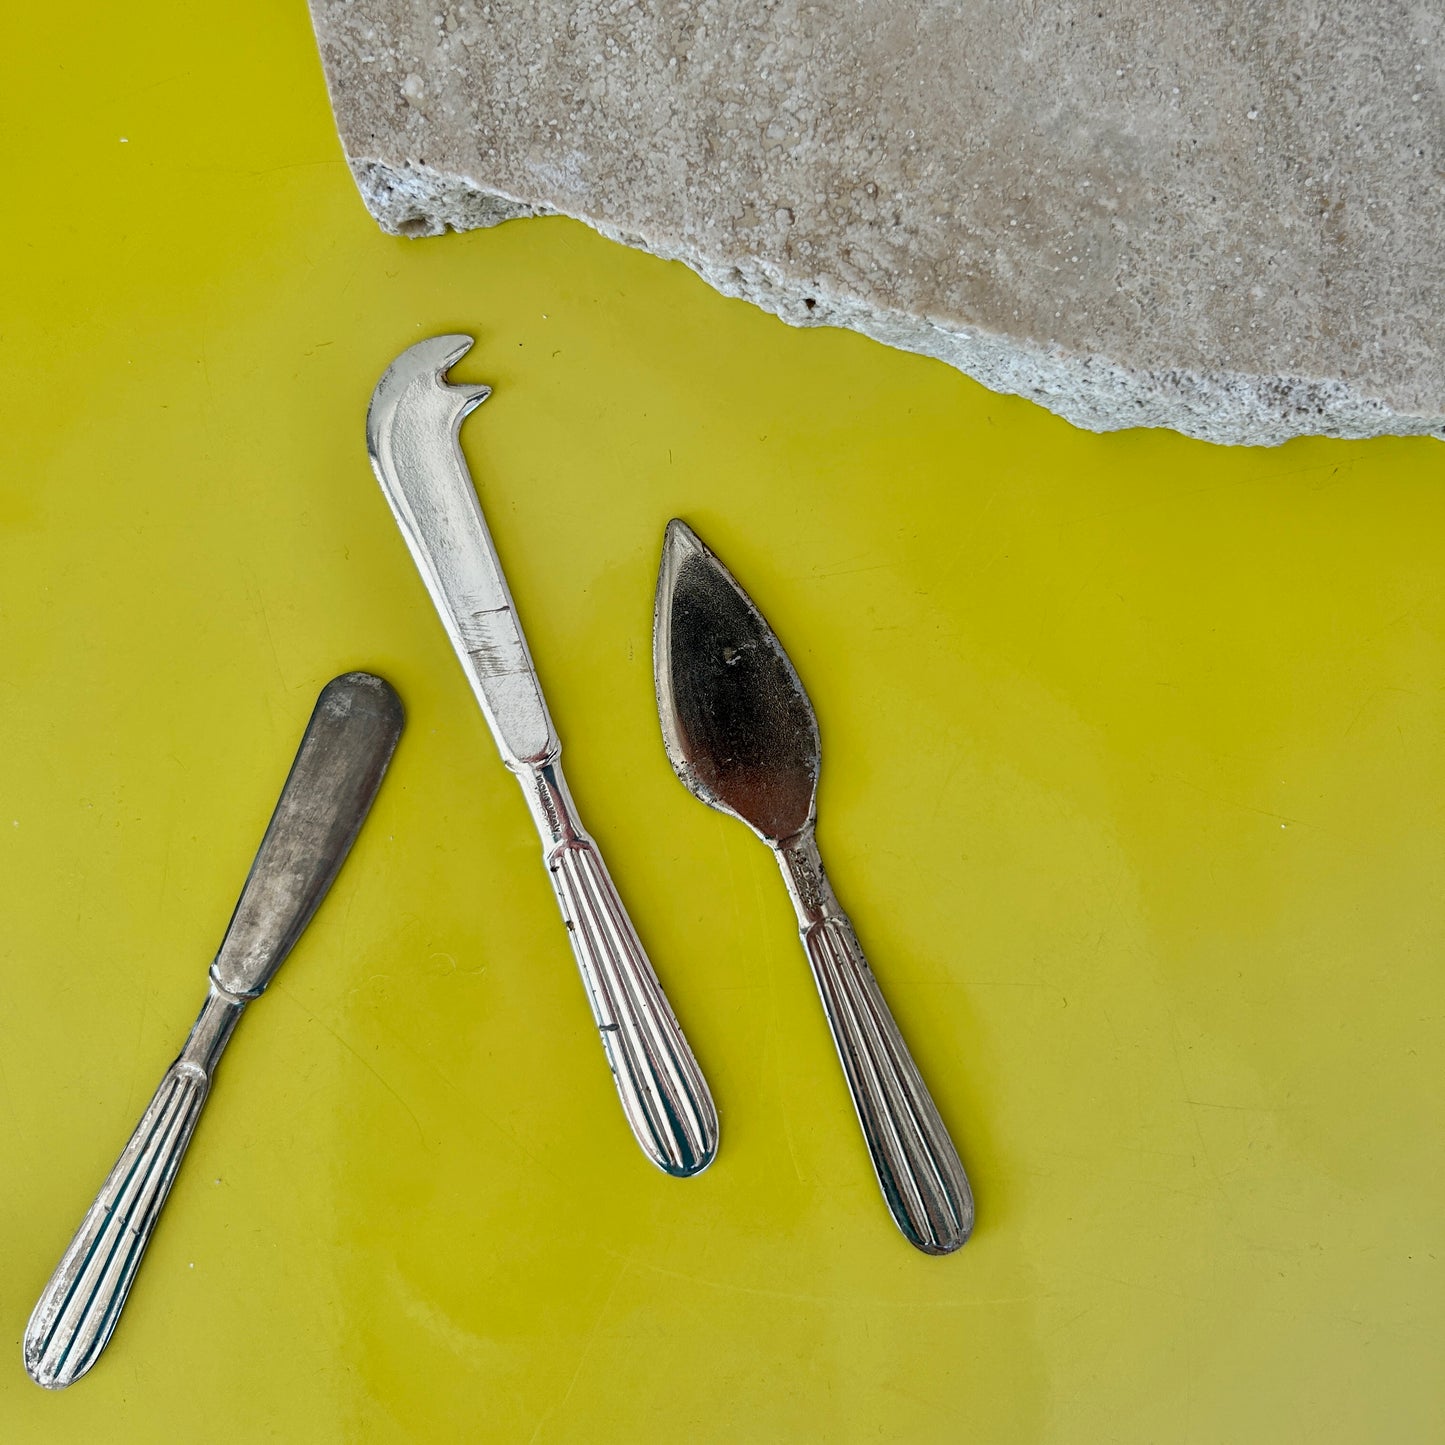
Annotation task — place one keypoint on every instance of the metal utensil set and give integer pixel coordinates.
(740, 734)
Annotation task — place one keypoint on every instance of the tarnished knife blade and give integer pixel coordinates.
(738, 727)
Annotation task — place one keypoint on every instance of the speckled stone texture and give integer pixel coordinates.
(1222, 216)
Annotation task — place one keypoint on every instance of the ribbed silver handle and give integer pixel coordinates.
(78, 1310)
(659, 1084)
(918, 1168)
(658, 1081)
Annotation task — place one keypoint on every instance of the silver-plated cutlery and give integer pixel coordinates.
(411, 432)
(343, 756)
(741, 735)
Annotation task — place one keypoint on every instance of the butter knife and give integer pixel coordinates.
(344, 753)
(412, 434)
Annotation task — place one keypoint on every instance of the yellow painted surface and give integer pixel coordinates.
(1134, 783)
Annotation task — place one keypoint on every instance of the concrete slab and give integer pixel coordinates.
(1221, 216)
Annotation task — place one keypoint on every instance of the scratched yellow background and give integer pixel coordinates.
(1134, 783)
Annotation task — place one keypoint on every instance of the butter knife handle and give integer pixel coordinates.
(78, 1310)
(663, 1093)
(918, 1168)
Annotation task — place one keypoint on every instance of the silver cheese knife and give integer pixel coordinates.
(741, 735)
(344, 753)
(411, 432)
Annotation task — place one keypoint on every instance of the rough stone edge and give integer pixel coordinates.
(1092, 392)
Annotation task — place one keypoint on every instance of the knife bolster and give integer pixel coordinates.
(807, 879)
(550, 802)
(211, 1031)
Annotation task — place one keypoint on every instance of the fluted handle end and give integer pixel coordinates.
(662, 1090)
